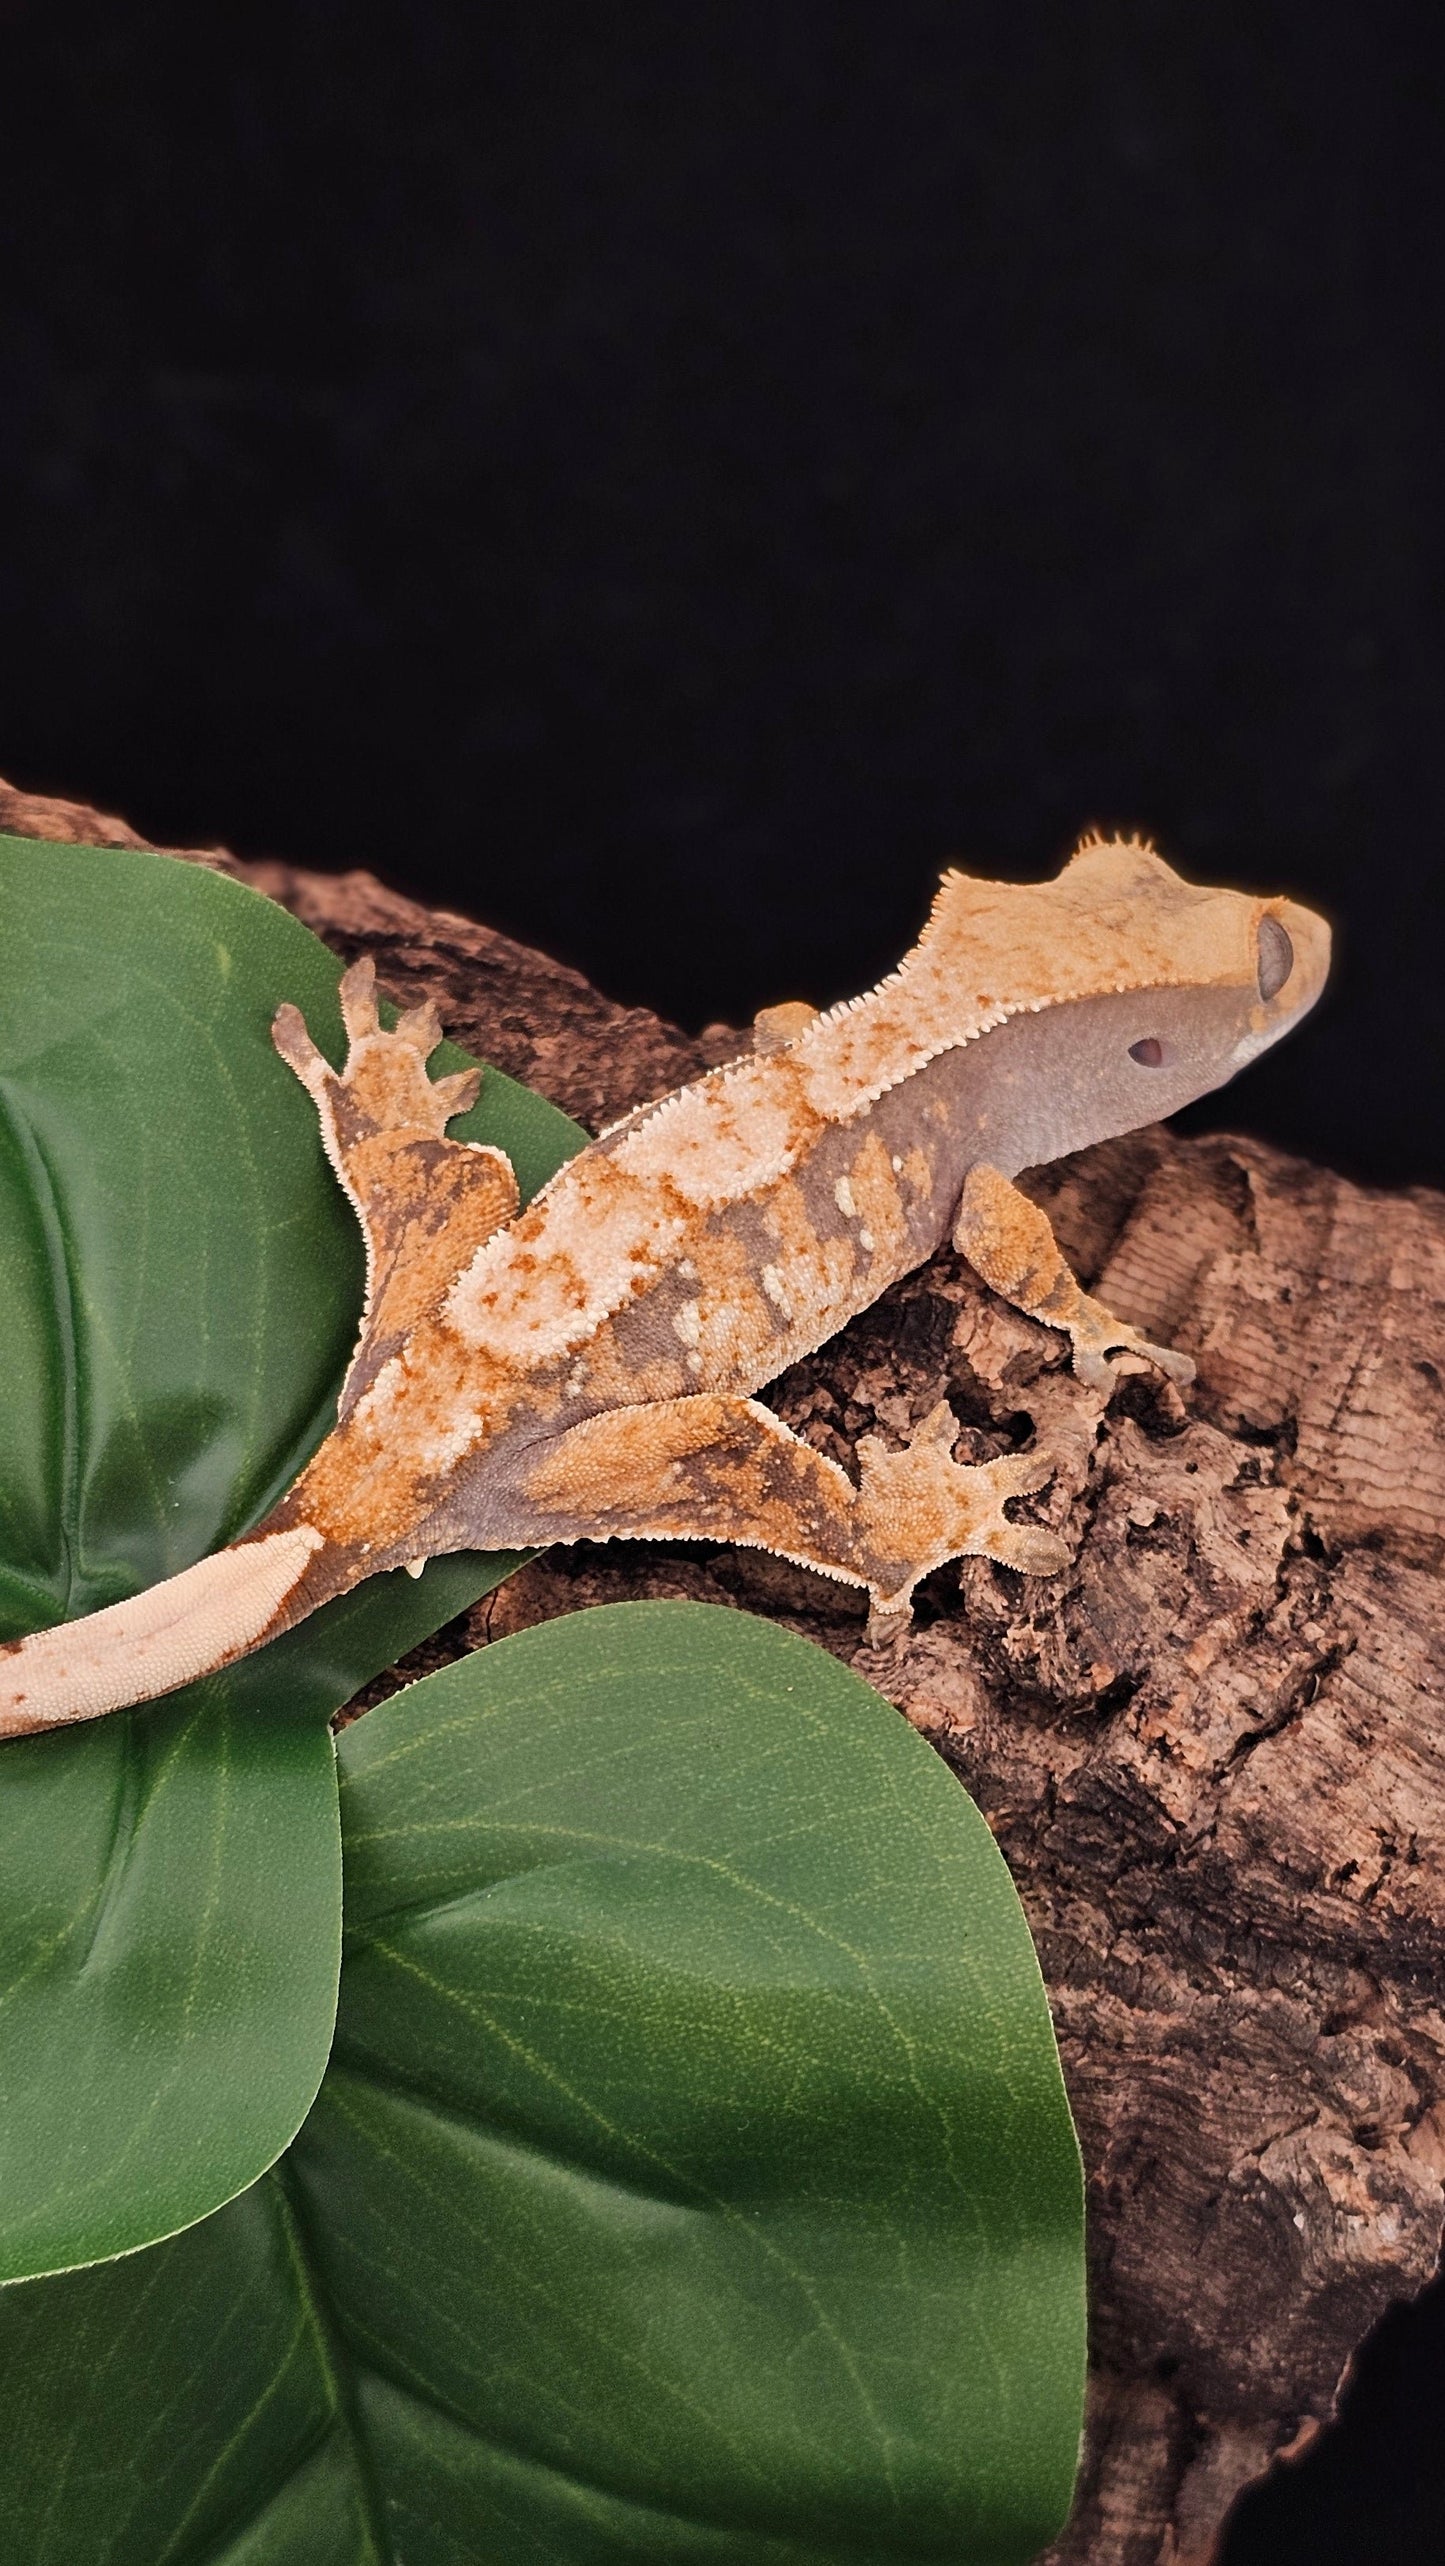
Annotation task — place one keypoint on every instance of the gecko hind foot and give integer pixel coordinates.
(425, 1203)
(384, 1085)
(923, 1508)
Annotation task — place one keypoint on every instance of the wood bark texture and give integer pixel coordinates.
(1213, 1751)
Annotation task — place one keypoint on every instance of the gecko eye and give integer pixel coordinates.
(1149, 1053)
(1276, 957)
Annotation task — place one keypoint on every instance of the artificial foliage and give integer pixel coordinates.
(687, 2172)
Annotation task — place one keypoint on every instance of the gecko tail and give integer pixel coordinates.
(187, 1626)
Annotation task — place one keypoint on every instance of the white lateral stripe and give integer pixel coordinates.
(184, 1627)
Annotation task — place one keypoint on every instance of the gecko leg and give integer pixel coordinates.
(425, 1203)
(718, 1469)
(1008, 1241)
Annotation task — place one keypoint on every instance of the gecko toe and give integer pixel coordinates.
(1178, 1368)
(294, 1043)
(358, 1000)
(1026, 1547)
(1093, 1367)
(890, 1620)
(421, 1027)
(459, 1092)
(1097, 1362)
(939, 1430)
(1018, 1474)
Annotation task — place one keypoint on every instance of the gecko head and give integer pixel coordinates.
(1204, 979)
(1129, 991)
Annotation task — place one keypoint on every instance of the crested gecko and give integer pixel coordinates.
(588, 1367)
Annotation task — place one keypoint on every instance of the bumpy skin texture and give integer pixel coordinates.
(587, 1367)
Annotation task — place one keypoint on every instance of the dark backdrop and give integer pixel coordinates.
(666, 479)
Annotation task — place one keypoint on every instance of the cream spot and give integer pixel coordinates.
(897, 1166)
(541, 1288)
(724, 1139)
(865, 1241)
(687, 1322)
(428, 1440)
(776, 1289)
(843, 1197)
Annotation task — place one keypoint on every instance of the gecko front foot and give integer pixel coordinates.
(920, 1507)
(1008, 1240)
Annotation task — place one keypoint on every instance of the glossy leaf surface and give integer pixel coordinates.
(692, 2179)
(180, 1279)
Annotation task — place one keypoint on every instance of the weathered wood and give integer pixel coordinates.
(1213, 1751)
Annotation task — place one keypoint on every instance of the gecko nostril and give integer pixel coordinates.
(1149, 1053)
(1276, 957)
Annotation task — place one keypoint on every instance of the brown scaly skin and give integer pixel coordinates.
(587, 1367)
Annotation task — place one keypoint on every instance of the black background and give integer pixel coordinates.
(667, 479)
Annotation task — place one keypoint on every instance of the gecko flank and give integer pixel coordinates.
(587, 1367)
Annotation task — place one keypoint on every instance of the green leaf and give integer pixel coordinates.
(180, 1278)
(692, 2180)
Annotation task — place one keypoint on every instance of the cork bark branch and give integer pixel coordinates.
(1212, 1751)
